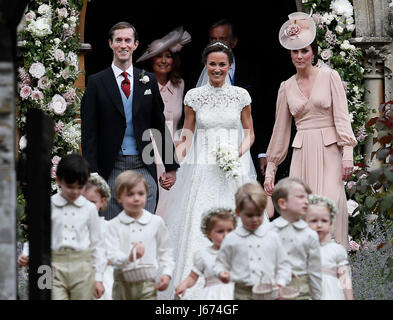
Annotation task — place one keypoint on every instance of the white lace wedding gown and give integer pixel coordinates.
(200, 183)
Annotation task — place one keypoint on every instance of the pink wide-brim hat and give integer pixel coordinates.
(298, 32)
(173, 41)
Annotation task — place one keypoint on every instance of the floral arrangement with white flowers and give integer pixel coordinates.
(46, 80)
(228, 161)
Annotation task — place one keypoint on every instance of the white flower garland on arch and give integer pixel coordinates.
(46, 80)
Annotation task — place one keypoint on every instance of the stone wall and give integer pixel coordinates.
(7, 183)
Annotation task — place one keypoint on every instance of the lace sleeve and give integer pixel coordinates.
(245, 98)
(190, 100)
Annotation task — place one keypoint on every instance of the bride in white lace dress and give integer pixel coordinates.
(217, 115)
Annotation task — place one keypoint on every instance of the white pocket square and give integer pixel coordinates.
(148, 91)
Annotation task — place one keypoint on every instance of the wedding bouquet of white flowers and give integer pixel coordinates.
(228, 161)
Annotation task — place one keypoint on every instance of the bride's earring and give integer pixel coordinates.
(312, 60)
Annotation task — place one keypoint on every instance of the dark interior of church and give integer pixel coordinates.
(257, 27)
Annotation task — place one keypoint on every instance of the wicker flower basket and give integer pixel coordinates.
(137, 271)
(264, 290)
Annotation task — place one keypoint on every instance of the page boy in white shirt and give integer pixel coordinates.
(253, 249)
(290, 198)
(78, 247)
(137, 227)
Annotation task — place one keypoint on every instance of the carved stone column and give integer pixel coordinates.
(86, 47)
(372, 36)
(7, 183)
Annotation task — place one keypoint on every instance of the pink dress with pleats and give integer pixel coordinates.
(324, 138)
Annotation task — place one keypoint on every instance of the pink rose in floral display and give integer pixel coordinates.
(70, 95)
(59, 126)
(37, 95)
(43, 83)
(59, 55)
(326, 54)
(62, 12)
(350, 184)
(56, 160)
(292, 31)
(58, 105)
(25, 92)
(30, 16)
(64, 2)
(65, 73)
(37, 70)
(354, 246)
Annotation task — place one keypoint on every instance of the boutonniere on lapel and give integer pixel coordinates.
(144, 78)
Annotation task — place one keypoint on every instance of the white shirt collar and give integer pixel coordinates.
(117, 71)
(59, 201)
(144, 218)
(260, 232)
(280, 222)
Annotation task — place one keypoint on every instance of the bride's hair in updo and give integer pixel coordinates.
(210, 218)
(217, 46)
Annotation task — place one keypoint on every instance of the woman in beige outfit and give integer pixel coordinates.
(323, 145)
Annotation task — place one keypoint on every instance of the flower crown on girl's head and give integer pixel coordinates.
(317, 199)
(206, 216)
(98, 181)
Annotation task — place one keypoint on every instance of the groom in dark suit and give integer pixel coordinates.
(119, 106)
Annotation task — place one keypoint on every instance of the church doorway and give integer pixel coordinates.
(257, 27)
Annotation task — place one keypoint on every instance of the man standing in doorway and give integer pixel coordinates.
(119, 107)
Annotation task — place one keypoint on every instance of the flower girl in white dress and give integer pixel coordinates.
(336, 272)
(216, 224)
(98, 192)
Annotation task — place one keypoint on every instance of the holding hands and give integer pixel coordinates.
(269, 185)
(167, 180)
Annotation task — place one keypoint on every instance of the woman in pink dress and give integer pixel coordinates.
(162, 58)
(316, 99)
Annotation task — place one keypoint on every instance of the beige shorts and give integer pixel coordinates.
(302, 284)
(73, 275)
(242, 292)
(123, 290)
